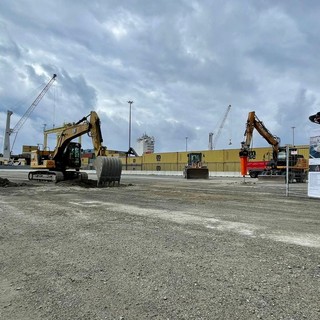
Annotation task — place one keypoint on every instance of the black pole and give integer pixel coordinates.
(130, 103)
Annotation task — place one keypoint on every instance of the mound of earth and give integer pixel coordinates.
(80, 183)
(4, 182)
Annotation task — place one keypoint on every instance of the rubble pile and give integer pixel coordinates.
(80, 183)
(4, 182)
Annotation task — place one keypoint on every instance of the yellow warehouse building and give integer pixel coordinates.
(216, 160)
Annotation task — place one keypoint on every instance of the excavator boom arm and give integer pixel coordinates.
(68, 135)
(83, 126)
(96, 136)
(254, 123)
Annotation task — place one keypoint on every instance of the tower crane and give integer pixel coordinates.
(213, 138)
(6, 147)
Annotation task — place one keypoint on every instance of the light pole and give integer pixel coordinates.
(186, 144)
(129, 150)
(292, 135)
(130, 103)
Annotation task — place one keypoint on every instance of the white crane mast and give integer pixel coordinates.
(20, 123)
(213, 138)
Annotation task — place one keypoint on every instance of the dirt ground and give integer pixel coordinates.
(158, 248)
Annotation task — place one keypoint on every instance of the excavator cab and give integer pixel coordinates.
(195, 168)
(71, 158)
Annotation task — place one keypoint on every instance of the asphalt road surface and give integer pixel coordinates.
(158, 248)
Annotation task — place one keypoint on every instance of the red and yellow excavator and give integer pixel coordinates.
(276, 167)
(64, 162)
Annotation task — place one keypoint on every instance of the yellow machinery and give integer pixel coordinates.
(195, 168)
(277, 167)
(65, 161)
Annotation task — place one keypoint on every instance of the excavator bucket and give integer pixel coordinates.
(196, 173)
(108, 171)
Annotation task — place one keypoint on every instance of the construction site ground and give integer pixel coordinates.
(158, 248)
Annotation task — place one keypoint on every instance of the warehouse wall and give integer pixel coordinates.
(215, 160)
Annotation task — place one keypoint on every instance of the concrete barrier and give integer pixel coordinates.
(155, 173)
(178, 173)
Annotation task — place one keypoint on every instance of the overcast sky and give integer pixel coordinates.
(182, 62)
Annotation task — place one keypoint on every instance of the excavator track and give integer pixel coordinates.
(56, 176)
(46, 175)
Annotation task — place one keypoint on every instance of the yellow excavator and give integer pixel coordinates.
(64, 162)
(277, 167)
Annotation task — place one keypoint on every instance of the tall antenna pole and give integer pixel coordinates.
(130, 103)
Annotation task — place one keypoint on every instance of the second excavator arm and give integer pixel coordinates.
(254, 123)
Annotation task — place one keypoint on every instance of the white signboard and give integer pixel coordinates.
(314, 165)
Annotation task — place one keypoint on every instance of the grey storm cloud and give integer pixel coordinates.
(181, 62)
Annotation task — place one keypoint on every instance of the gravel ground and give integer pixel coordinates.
(158, 248)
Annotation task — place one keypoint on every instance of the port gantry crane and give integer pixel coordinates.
(6, 146)
(213, 138)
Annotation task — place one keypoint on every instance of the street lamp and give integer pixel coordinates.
(130, 103)
(186, 144)
(129, 150)
(293, 135)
